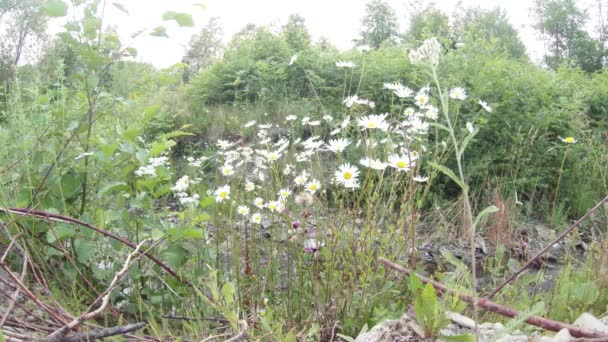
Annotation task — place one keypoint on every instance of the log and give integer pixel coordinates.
(486, 304)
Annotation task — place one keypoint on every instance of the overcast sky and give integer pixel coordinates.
(338, 20)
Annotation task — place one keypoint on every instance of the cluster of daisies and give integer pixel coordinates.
(274, 152)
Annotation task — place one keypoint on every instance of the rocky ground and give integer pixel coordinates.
(406, 329)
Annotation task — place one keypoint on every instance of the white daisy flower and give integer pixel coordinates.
(337, 145)
(313, 186)
(227, 170)
(249, 186)
(291, 118)
(222, 193)
(243, 210)
(259, 202)
(345, 64)
(401, 163)
(373, 121)
(256, 218)
(421, 99)
(485, 106)
(249, 124)
(458, 93)
(284, 193)
(347, 175)
(375, 164)
(420, 179)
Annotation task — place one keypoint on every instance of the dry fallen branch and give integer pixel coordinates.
(103, 333)
(60, 334)
(544, 250)
(488, 305)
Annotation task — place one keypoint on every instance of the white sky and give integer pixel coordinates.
(338, 20)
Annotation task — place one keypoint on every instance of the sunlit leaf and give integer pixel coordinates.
(450, 174)
(182, 19)
(160, 31)
(55, 8)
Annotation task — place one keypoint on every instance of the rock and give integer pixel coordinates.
(389, 331)
(461, 320)
(590, 322)
(562, 336)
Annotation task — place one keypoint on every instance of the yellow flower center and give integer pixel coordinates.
(313, 187)
(348, 175)
(223, 194)
(401, 164)
(371, 125)
(569, 140)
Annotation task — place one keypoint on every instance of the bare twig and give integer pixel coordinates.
(60, 334)
(242, 335)
(103, 333)
(544, 250)
(488, 305)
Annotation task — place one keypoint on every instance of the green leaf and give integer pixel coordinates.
(55, 8)
(459, 338)
(193, 233)
(113, 187)
(440, 126)
(467, 140)
(160, 146)
(228, 292)
(484, 213)
(84, 250)
(346, 338)
(200, 5)
(159, 31)
(450, 174)
(207, 202)
(182, 19)
(120, 7)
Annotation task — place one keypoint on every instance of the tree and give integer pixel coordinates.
(379, 24)
(204, 48)
(560, 23)
(426, 23)
(481, 27)
(22, 26)
(296, 34)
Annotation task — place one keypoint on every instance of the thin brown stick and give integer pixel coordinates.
(60, 334)
(488, 305)
(544, 250)
(240, 336)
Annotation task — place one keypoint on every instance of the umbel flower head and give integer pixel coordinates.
(427, 53)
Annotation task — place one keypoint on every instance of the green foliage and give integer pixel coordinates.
(379, 25)
(426, 306)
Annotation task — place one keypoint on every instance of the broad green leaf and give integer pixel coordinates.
(484, 213)
(193, 233)
(450, 174)
(175, 134)
(55, 8)
(70, 184)
(160, 146)
(207, 201)
(182, 19)
(228, 292)
(113, 187)
(346, 338)
(84, 250)
(120, 7)
(159, 31)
